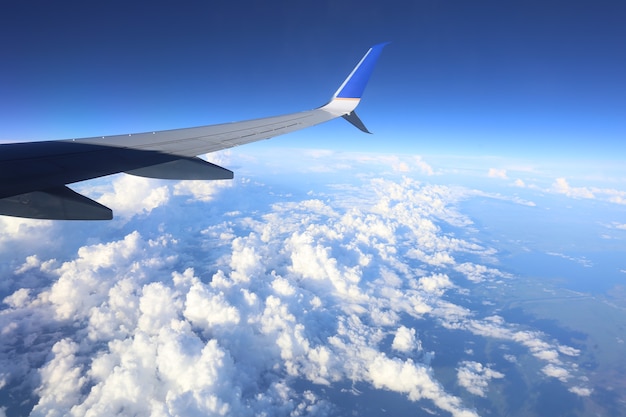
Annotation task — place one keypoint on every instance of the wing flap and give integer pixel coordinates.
(58, 203)
(184, 169)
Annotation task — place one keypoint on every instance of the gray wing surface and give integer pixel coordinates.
(34, 175)
(205, 139)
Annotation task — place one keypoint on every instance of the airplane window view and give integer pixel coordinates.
(313, 208)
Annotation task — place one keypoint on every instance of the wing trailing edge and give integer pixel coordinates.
(184, 169)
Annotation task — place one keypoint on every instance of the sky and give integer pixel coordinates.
(522, 78)
(464, 260)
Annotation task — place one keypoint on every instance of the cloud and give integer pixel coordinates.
(497, 173)
(474, 377)
(134, 195)
(478, 273)
(206, 309)
(561, 186)
(568, 350)
(201, 190)
(534, 341)
(22, 237)
(319, 153)
(556, 372)
(83, 283)
(62, 380)
(415, 381)
(328, 161)
(234, 314)
(498, 196)
(582, 260)
(16, 226)
(422, 166)
(435, 284)
(510, 358)
(581, 391)
(404, 340)
(401, 167)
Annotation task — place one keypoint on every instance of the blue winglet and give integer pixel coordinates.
(354, 85)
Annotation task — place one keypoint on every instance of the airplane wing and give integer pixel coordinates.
(34, 175)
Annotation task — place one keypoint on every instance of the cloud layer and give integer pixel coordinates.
(235, 317)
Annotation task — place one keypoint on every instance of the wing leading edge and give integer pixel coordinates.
(33, 175)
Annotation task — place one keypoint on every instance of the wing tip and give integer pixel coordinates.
(354, 85)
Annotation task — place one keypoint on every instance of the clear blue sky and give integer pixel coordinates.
(492, 77)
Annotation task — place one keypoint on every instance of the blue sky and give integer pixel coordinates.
(534, 79)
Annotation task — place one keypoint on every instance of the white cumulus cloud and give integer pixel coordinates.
(134, 195)
(404, 340)
(556, 372)
(475, 377)
(233, 315)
